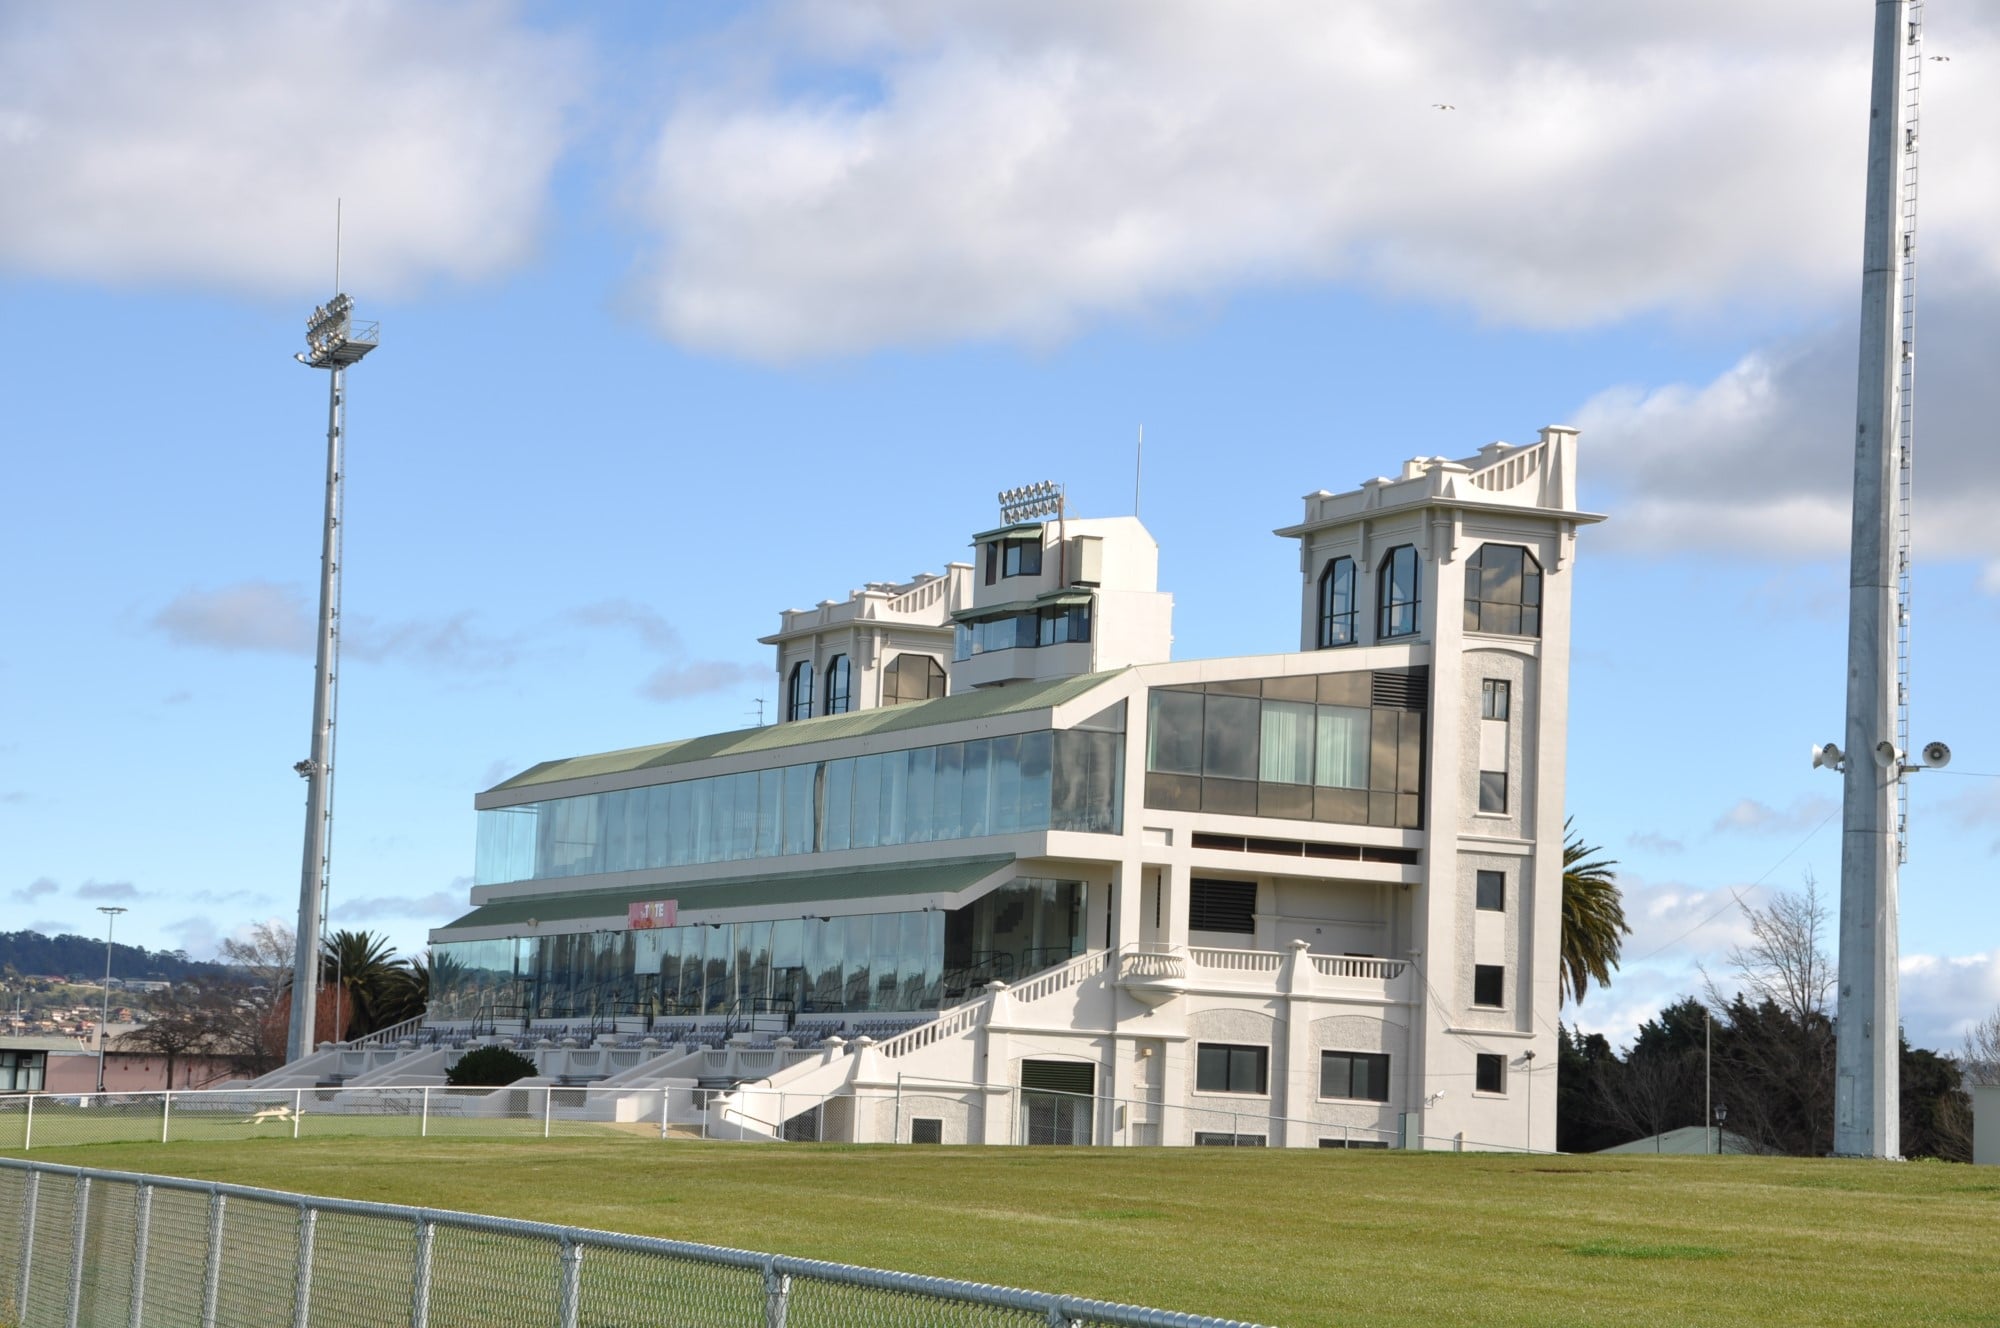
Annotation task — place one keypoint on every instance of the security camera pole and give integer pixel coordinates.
(1867, 1037)
(333, 341)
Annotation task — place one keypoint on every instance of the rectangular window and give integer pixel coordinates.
(927, 1130)
(1342, 749)
(1224, 1068)
(1493, 791)
(1022, 557)
(1492, 891)
(1487, 982)
(1210, 1139)
(1490, 1075)
(1354, 1074)
(1229, 734)
(1494, 698)
(1285, 744)
(1353, 1143)
(1229, 906)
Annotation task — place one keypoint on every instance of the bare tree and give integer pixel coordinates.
(1785, 962)
(1979, 1058)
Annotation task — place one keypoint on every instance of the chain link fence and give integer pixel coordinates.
(82, 1248)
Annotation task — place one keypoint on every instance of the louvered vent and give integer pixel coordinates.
(1407, 689)
(1222, 906)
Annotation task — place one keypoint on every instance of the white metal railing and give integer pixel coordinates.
(393, 1033)
(1236, 961)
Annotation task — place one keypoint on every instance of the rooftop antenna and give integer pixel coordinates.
(333, 342)
(1138, 469)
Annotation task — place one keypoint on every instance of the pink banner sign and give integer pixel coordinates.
(654, 913)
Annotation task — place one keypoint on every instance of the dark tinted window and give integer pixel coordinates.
(1490, 1074)
(1398, 594)
(1224, 1068)
(1337, 610)
(1487, 981)
(1503, 591)
(1492, 890)
(1355, 1074)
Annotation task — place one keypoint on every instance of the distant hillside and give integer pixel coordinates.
(29, 953)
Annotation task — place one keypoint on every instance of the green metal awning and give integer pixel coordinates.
(696, 897)
(1019, 531)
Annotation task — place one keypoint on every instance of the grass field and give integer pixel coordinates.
(1286, 1238)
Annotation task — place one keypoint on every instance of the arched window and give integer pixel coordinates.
(839, 692)
(1397, 593)
(1503, 591)
(912, 678)
(1336, 604)
(799, 693)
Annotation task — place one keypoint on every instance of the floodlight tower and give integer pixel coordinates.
(1873, 815)
(333, 342)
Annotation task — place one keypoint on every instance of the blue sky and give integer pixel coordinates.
(694, 313)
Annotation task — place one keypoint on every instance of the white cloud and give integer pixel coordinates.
(1015, 170)
(439, 905)
(1755, 817)
(205, 142)
(1944, 995)
(699, 677)
(259, 615)
(1760, 458)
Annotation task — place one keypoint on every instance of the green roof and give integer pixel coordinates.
(982, 703)
(741, 892)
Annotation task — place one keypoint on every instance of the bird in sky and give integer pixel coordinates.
(1443, 106)
(1942, 59)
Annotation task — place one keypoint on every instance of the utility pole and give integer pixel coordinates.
(333, 341)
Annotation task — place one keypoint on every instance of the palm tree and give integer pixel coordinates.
(407, 991)
(363, 967)
(1593, 917)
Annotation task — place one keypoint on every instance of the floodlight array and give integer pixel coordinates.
(1030, 501)
(331, 337)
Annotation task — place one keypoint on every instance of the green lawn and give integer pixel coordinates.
(1287, 1238)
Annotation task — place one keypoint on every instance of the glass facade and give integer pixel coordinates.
(1064, 780)
(882, 962)
(1322, 748)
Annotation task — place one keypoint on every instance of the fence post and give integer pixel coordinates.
(896, 1130)
(302, 1289)
(424, 1130)
(142, 1227)
(298, 1109)
(572, 1280)
(666, 1105)
(166, 1113)
(28, 1140)
(777, 1295)
(548, 1107)
(420, 1289)
(77, 1242)
(28, 1235)
(211, 1282)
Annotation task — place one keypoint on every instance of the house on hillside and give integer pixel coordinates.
(1005, 871)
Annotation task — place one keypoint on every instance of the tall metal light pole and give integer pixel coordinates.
(333, 341)
(1867, 1043)
(110, 912)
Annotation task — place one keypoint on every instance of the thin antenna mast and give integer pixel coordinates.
(1138, 469)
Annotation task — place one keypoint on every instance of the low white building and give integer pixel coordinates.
(1090, 894)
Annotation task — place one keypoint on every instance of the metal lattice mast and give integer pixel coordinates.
(333, 341)
(1866, 1107)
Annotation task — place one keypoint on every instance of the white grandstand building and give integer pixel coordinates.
(1004, 872)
